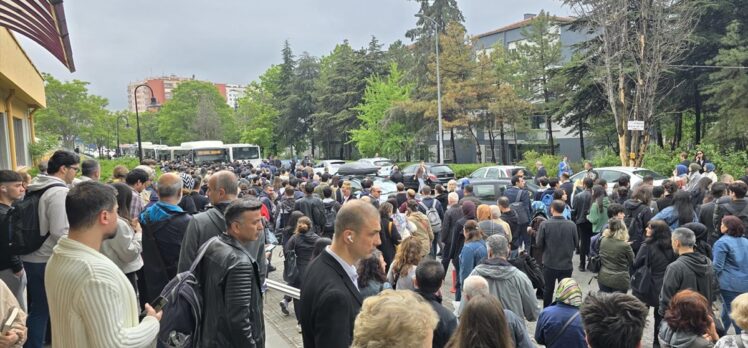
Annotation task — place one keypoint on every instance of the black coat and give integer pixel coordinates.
(162, 243)
(689, 271)
(706, 217)
(200, 201)
(582, 204)
(303, 246)
(390, 237)
(659, 259)
(330, 303)
(314, 209)
(447, 321)
(232, 299)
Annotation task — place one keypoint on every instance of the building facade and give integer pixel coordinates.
(163, 87)
(21, 94)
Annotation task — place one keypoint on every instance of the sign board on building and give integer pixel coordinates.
(636, 125)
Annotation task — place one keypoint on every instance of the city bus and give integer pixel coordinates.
(207, 151)
(245, 153)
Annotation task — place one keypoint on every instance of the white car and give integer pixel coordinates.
(329, 166)
(612, 174)
(384, 165)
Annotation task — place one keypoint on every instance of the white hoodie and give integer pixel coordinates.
(52, 216)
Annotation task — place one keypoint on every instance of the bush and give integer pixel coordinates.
(550, 162)
(107, 166)
(605, 158)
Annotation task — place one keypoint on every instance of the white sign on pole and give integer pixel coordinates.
(636, 125)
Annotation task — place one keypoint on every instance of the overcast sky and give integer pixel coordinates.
(234, 41)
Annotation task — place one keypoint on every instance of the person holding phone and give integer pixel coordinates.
(13, 335)
(91, 301)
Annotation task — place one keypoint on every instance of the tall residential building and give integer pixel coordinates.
(163, 90)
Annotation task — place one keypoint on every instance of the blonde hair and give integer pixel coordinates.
(483, 212)
(739, 312)
(616, 230)
(394, 319)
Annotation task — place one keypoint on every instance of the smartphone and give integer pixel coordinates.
(157, 305)
(7, 322)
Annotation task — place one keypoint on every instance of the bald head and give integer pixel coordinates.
(225, 181)
(353, 216)
(475, 285)
(169, 187)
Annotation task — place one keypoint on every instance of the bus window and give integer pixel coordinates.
(210, 155)
(246, 153)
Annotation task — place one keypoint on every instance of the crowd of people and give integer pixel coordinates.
(125, 263)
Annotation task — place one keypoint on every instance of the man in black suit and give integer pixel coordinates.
(581, 207)
(330, 298)
(312, 207)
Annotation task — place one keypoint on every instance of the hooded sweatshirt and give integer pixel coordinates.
(681, 339)
(511, 218)
(689, 271)
(52, 216)
(511, 286)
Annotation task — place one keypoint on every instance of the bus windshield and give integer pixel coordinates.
(246, 153)
(210, 155)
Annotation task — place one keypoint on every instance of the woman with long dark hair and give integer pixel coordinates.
(302, 244)
(388, 234)
(598, 215)
(698, 192)
(482, 325)
(403, 268)
(125, 248)
(680, 213)
(656, 253)
(458, 239)
(372, 278)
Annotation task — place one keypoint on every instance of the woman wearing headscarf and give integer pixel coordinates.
(458, 239)
(709, 172)
(560, 324)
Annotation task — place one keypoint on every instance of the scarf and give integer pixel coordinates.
(568, 292)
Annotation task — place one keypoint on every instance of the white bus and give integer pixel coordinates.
(245, 153)
(155, 151)
(206, 151)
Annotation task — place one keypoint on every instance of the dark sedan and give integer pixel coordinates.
(488, 191)
(437, 174)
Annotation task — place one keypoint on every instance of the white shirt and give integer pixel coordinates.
(349, 269)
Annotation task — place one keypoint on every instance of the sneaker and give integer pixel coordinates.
(284, 307)
(298, 328)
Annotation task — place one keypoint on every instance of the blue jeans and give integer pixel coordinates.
(727, 298)
(38, 307)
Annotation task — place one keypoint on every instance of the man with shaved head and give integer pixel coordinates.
(163, 225)
(330, 298)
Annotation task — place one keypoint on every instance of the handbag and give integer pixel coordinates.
(641, 280)
(595, 264)
(291, 270)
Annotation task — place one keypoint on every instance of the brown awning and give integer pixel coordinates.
(42, 21)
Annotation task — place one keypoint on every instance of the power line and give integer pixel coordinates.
(708, 66)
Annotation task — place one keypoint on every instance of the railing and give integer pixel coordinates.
(283, 288)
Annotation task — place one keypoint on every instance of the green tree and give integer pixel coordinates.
(540, 53)
(257, 112)
(301, 103)
(381, 131)
(196, 112)
(70, 110)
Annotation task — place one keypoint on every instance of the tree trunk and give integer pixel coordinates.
(550, 134)
(503, 143)
(454, 147)
(478, 152)
(581, 137)
(697, 112)
(491, 138)
(678, 133)
(516, 144)
(660, 142)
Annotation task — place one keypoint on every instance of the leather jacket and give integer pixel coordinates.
(232, 300)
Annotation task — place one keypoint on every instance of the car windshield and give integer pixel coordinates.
(383, 163)
(441, 170)
(644, 172)
(387, 186)
(336, 164)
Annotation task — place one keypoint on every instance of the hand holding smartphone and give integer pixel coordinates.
(155, 310)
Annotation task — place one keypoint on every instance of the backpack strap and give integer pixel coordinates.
(201, 253)
(563, 329)
(389, 229)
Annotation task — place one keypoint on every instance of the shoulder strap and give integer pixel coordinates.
(519, 193)
(200, 254)
(389, 228)
(423, 205)
(563, 329)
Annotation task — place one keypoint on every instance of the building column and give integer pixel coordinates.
(11, 131)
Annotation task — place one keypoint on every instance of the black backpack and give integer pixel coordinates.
(330, 215)
(21, 224)
(530, 267)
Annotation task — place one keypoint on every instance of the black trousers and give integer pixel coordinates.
(551, 276)
(585, 234)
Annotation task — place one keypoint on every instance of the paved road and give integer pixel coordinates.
(285, 326)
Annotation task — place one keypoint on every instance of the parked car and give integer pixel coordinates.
(612, 174)
(497, 172)
(384, 165)
(331, 166)
(388, 186)
(437, 174)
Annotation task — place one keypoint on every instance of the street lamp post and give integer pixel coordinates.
(440, 136)
(154, 103)
(127, 125)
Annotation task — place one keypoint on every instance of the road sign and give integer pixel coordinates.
(636, 125)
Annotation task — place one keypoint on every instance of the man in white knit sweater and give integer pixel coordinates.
(91, 302)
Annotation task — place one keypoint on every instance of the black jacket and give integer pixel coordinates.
(443, 198)
(453, 214)
(200, 201)
(690, 271)
(162, 242)
(558, 239)
(733, 207)
(657, 259)
(511, 218)
(330, 303)
(390, 237)
(303, 246)
(314, 209)
(447, 321)
(8, 261)
(706, 217)
(582, 204)
(633, 208)
(232, 300)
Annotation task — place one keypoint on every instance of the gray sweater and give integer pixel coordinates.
(558, 239)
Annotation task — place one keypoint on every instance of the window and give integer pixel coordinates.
(479, 173)
(487, 192)
(610, 175)
(493, 173)
(537, 121)
(18, 132)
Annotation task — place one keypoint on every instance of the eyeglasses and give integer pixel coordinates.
(74, 168)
